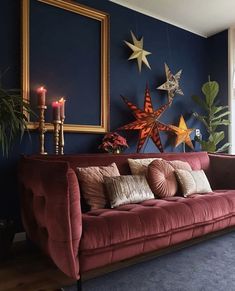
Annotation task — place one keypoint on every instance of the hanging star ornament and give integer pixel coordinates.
(182, 133)
(138, 52)
(147, 121)
(172, 84)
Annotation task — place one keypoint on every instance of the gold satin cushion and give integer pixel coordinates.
(127, 189)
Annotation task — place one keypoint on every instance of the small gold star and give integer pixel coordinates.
(182, 133)
(172, 84)
(138, 52)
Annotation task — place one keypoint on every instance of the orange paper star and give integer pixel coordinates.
(182, 133)
(147, 121)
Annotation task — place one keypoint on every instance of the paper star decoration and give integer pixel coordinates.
(147, 121)
(138, 52)
(172, 84)
(182, 133)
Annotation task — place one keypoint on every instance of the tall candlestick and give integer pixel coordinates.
(41, 96)
(56, 110)
(42, 129)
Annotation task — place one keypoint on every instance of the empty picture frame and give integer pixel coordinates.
(65, 47)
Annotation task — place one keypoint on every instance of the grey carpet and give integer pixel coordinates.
(208, 266)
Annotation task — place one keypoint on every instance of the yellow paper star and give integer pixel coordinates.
(182, 133)
(138, 52)
(172, 84)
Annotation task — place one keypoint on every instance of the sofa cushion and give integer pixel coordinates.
(140, 166)
(161, 177)
(91, 180)
(154, 218)
(193, 182)
(127, 189)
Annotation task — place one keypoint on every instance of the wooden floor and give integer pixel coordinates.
(29, 270)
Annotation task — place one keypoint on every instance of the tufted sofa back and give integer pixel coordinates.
(197, 160)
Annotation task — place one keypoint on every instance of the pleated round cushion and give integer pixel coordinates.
(161, 179)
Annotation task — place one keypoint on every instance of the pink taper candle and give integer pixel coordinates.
(56, 110)
(41, 96)
(62, 108)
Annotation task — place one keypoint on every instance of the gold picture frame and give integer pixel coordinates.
(94, 14)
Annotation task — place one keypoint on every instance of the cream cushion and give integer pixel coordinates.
(193, 182)
(140, 166)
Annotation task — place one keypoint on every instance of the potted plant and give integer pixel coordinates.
(214, 116)
(113, 143)
(13, 119)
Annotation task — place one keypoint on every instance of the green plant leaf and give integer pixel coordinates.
(224, 148)
(216, 137)
(217, 109)
(208, 146)
(200, 102)
(210, 90)
(221, 115)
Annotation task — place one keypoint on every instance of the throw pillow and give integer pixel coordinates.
(91, 180)
(161, 177)
(180, 165)
(127, 189)
(193, 182)
(140, 166)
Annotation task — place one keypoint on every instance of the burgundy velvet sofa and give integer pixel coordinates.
(81, 241)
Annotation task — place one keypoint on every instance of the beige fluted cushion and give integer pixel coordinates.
(91, 180)
(127, 189)
(193, 182)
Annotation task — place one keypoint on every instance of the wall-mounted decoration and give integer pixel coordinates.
(66, 48)
(172, 84)
(182, 133)
(147, 121)
(138, 52)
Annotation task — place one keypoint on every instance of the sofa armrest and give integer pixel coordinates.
(51, 211)
(222, 171)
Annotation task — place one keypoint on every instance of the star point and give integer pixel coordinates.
(138, 52)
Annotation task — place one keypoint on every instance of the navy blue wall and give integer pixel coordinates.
(218, 67)
(177, 47)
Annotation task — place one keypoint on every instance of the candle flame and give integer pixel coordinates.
(62, 100)
(41, 89)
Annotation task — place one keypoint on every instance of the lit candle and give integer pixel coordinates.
(41, 96)
(56, 110)
(62, 108)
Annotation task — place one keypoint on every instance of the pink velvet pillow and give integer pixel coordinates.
(161, 177)
(91, 180)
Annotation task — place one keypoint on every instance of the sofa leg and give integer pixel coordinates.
(79, 285)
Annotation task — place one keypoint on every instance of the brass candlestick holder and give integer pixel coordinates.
(42, 129)
(56, 135)
(61, 137)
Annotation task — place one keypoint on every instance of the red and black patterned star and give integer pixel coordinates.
(147, 121)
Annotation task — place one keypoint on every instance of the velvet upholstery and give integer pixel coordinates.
(79, 241)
